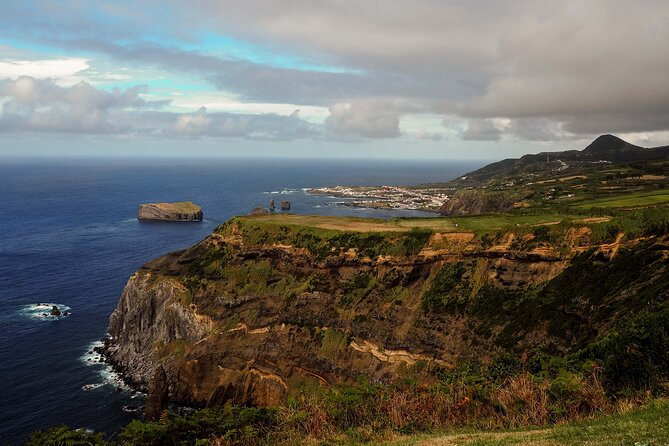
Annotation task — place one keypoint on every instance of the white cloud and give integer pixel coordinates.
(193, 124)
(42, 69)
(369, 118)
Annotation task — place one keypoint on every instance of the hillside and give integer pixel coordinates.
(598, 176)
(605, 150)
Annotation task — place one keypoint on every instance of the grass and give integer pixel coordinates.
(629, 199)
(476, 223)
(647, 426)
(331, 223)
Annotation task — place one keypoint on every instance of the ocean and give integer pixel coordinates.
(69, 237)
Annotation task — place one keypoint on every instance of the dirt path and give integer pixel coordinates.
(527, 438)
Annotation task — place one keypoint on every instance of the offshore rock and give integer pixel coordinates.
(259, 210)
(157, 398)
(179, 211)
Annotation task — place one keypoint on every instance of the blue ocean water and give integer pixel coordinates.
(69, 236)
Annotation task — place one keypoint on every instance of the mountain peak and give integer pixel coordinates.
(608, 143)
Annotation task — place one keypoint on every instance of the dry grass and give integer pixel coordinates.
(520, 402)
(333, 223)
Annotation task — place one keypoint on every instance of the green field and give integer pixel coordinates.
(632, 199)
(475, 223)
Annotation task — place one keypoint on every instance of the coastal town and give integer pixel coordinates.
(421, 198)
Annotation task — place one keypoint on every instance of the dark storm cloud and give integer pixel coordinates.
(551, 68)
(481, 130)
(594, 66)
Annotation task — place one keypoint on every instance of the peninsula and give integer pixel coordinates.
(179, 211)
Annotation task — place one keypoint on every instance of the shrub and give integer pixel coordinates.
(64, 436)
(636, 353)
(447, 290)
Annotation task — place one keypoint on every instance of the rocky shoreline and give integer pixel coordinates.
(121, 371)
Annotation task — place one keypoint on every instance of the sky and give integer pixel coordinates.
(433, 79)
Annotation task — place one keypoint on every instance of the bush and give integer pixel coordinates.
(238, 425)
(64, 436)
(635, 355)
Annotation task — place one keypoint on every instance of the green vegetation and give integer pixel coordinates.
(64, 436)
(333, 343)
(499, 399)
(638, 199)
(316, 235)
(448, 291)
(634, 354)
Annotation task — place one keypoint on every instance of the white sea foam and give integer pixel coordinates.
(131, 408)
(107, 375)
(42, 311)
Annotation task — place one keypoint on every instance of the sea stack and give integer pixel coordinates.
(179, 211)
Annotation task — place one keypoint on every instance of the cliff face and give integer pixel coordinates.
(474, 202)
(254, 311)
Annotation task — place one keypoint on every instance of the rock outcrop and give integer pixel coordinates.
(259, 210)
(179, 211)
(157, 397)
(258, 309)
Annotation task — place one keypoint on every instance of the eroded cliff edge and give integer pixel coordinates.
(268, 304)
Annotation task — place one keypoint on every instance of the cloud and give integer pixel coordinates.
(40, 69)
(592, 66)
(253, 81)
(38, 105)
(193, 124)
(42, 105)
(481, 130)
(427, 136)
(552, 69)
(537, 129)
(369, 118)
(268, 126)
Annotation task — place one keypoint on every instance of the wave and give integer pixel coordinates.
(42, 311)
(107, 375)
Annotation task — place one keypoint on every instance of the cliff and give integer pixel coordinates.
(179, 211)
(473, 202)
(266, 305)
